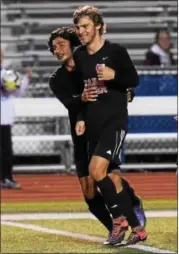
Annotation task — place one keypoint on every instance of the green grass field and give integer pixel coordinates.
(78, 206)
(27, 241)
(162, 231)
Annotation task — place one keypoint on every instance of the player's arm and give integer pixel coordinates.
(62, 94)
(89, 94)
(80, 128)
(70, 101)
(80, 121)
(125, 73)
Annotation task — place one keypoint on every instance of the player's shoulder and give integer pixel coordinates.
(79, 50)
(114, 46)
(56, 74)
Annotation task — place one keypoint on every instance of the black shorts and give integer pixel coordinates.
(81, 157)
(109, 145)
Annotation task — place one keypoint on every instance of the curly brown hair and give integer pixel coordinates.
(93, 13)
(66, 33)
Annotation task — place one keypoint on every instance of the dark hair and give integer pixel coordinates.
(93, 13)
(159, 32)
(66, 33)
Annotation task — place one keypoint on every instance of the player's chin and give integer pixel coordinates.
(62, 60)
(83, 41)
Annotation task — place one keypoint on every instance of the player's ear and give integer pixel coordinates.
(98, 27)
(104, 28)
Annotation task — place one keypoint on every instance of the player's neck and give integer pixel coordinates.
(69, 65)
(95, 45)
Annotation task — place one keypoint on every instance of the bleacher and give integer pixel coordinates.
(132, 23)
(26, 26)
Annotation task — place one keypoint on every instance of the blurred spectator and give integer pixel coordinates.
(7, 117)
(159, 53)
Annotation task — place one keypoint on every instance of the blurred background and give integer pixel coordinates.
(41, 133)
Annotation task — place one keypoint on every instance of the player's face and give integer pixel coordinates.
(86, 30)
(62, 49)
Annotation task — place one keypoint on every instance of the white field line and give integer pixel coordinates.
(47, 216)
(79, 236)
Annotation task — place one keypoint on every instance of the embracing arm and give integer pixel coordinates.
(68, 100)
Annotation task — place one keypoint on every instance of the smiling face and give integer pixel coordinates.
(86, 30)
(62, 49)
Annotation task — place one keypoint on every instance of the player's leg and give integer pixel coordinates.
(138, 233)
(136, 201)
(98, 167)
(95, 201)
(116, 198)
(93, 198)
(115, 169)
(98, 170)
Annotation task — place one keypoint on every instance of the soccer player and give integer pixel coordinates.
(107, 67)
(64, 83)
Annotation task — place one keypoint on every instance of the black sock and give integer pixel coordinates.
(98, 209)
(109, 193)
(135, 200)
(127, 209)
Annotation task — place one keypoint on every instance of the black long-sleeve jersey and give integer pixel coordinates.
(111, 104)
(67, 87)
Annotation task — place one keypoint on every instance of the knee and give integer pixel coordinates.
(98, 168)
(89, 193)
(88, 188)
(94, 171)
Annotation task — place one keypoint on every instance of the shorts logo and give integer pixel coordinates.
(114, 206)
(109, 152)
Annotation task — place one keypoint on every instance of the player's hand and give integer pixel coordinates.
(80, 128)
(105, 73)
(130, 94)
(89, 94)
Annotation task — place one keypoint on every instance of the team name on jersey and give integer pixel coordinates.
(98, 84)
